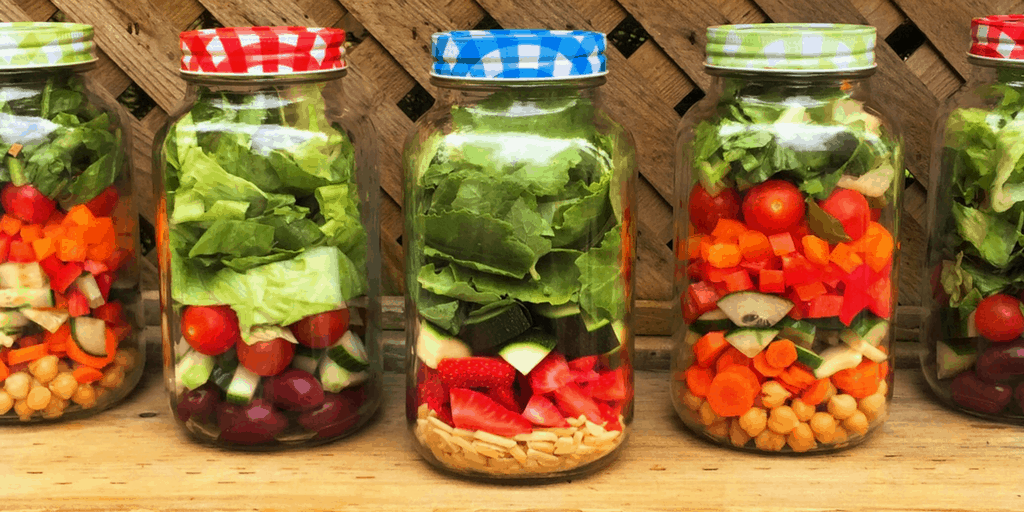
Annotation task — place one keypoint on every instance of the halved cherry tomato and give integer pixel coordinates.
(999, 318)
(706, 210)
(211, 330)
(773, 206)
(26, 203)
(103, 204)
(321, 330)
(266, 358)
(851, 209)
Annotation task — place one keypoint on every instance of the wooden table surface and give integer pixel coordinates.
(925, 458)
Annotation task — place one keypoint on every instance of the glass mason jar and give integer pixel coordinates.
(974, 353)
(786, 223)
(519, 244)
(268, 240)
(69, 280)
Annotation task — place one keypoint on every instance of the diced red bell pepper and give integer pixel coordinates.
(801, 230)
(771, 281)
(103, 282)
(824, 306)
(756, 266)
(703, 296)
(21, 252)
(61, 274)
(718, 275)
(5, 246)
(809, 291)
(689, 308)
(876, 213)
(94, 267)
(721, 289)
(112, 313)
(854, 301)
(738, 281)
(117, 259)
(832, 275)
(78, 305)
(860, 278)
(695, 271)
(782, 243)
(798, 270)
(880, 294)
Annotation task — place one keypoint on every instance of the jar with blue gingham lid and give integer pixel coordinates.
(789, 179)
(70, 323)
(520, 193)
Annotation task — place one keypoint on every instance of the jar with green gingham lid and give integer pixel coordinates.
(519, 243)
(786, 242)
(70, 342)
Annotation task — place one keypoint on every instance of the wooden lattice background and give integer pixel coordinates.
(655, 63)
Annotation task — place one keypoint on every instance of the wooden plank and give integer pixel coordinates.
(181, 13)
(11, 11)
(742, 11)
(382, 69)
(925, 457)
(392, 254)
(661, 72)
(144, 175)
(603, 15)
(882, 14)
(324, 13)
(934, 71)
(265, 12)
(37, 10)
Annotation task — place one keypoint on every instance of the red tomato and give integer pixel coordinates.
(773, 206)
(266, 358)
(999, 318)
(705, 209)
(211, 330)
(851, 209)
(26, 203)
(322, 329)
(103, 204)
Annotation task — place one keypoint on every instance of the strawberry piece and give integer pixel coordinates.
(550, 374)
(584, 376)
(476, 372)
(505, 397)
(474, 411)
(522, 390)
(433, 393)
(611, 415)
(581, 364)
(610, 386)
(540, 411)
(571, 401)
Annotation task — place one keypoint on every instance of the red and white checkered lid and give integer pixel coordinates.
(261, 51)
(998, 37)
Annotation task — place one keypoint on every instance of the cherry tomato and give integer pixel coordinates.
(851, 209)
(103, 204)
(705, 209)
(211, 330)
(999, 318)
(322, 329)
(266, 358)
(773, 206)
(26, 203)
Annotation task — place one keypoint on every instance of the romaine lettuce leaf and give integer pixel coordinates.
(602, 294)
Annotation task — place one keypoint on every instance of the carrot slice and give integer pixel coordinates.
(781, 353)
(731, 393)
(728, 231)
(747, 373)
(754, 246)
(724, 255)
(698, 380)
(709, 346)
(86, 374)
(764, 368)
(30, 232)
(10, 225)
(76, 353)
(858, 382)
(4, 370)
(815, 249)
(815, 393)
(31, 353)
(731, 357)
(798, 377)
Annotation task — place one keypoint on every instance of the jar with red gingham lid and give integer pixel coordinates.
(268, 241)
(974, 357)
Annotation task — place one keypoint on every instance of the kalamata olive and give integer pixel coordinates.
(294, 390)
(336, 415)
(1019, 395)
(255, 423)
(1001, 362)
(199, 404)
(972, 393)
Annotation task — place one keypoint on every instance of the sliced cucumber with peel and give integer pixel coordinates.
(349, 353)
(50, 319)
(90, 334)
(26, 297)
(799, 331)
(714, 320)
(528, 349)
(243, 385)
(307, 359)
(808, 357)
(754, 309)
(861, 345)
(750, 342)
(952, 358)
(23, 275)
(194, 369)
(871, 329)
(86, 284)
(334, 378)
(836, 359)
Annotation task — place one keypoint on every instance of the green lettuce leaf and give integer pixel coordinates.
(602, 294)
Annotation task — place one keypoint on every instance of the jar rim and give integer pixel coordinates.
(450, 82)
(275, 78)
(791, 73)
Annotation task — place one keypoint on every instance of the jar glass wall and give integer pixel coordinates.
(519, 250)
(786, 222)
(69, 280)
(269, 261)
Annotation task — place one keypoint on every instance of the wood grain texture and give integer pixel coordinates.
(924, 458)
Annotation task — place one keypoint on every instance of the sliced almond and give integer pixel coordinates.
(488, 449)
(438, 424)
(463, 433)
(564, 446)
(537, 435)
(558, 431)
(462, 443)
(541, 457)
(488, 437)
(542, 446)
(594, 429)
(518, 454)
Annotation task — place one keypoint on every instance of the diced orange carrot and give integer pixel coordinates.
(43, 247)
(30, 232)
(724, 255)
(100, 232)
(815, 393)
(764, 368)
(731, 393)
(859, 382)
(815, 249)
(79, 215)
(797, 376)
(69, 249)
(731, 357)
(709, 346)
(4, 370)
(85, 374)
(781, 353)
(782, 243)
(728, 231)
(10, 225)
(755, 246)
(845, 258)
(31, 353)
(879, 247)
(693, 244)
(698, 380)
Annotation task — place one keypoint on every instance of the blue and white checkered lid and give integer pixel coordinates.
(518, 54)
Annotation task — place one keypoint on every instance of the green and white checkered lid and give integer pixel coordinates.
(41, 45)
(791, 47)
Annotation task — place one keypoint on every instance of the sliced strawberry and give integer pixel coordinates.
(610, 386)
(522, 390)
(550, 374)
(585, 376)
(476, 372)
(505, 397)
(571, 401)
(581, 364)
(540, 411)
(433, 393)
(474, 411)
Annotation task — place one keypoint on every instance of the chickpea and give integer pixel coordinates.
(803, 411)
(101, 392)
(769, 441)
(23, 411)
(64, 385)
(841, 435)
(54, 409)
(824, 426)
(782, 420)
(706, 415)
(773, 394)
(872, 406)
(737, 435)
(691, 401)
(18, 385)
(883, 388)
(63, 366)
(719, 429)
(856, 423)
(85, 396)
(831, 392)
(124, 358)
(38, 398)
(842, 406)
(801, 439)
(44, 369)
(6, 402)
(754, 421)
(112, 378)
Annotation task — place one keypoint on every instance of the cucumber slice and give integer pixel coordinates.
(193, 370)
(13, 319)
(433, 345)
(800, 331)
(26, 297)
(808, 357)
(830, 323)
(751, 341)
(307, 359)
(6, 340)
(86, 284)
(835, 359)
(487, 332)
(560, 311)
(90, 334)
(953, 358)
(243, 386)
(221, 377)
(861, 345)
(528, 349)
(754, 309)
(49, 319)
(714, 320)
(349, 353)
(23, 275)
(870, 328)
(334, 378)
